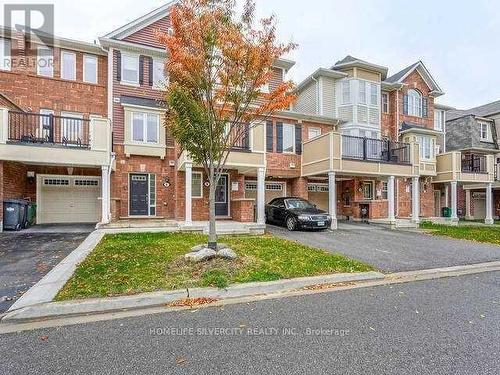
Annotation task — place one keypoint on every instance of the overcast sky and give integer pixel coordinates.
(459, 44)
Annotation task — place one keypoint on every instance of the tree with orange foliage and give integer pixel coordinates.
(218, 64)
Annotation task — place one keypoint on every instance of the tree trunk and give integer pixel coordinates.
(212, 233)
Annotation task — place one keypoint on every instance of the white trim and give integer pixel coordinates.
(94, 57)
(61, 62)
(144, 128)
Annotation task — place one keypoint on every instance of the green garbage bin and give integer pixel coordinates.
(31, 218)
(446, 212)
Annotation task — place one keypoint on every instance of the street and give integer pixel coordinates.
(443, 326)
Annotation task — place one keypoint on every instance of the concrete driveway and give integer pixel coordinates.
(394, 251)
(25, 257)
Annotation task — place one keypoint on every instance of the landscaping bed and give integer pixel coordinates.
(485, 234)
(125, 264)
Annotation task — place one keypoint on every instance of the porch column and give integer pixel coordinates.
(468, 215)
(332, 199)
(261, 193)
(415, 200)
(390, 198)
(446, 196)
(188, 194)
(105, 201)
(454, 193)
(489, 204)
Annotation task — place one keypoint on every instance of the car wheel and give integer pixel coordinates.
(291, 223)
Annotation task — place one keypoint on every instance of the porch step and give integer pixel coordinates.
(138, 223)
(398, 224)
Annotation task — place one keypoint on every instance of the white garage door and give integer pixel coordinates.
(273, 190)
(318, 195)
(68, 199)
(479, 206)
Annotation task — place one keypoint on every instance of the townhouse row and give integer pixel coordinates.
(82, 135)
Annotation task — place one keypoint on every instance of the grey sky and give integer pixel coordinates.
(457, 40)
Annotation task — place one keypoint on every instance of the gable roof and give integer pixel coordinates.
(141, 22)
(351, 61)
(419, 66)
(485, 110)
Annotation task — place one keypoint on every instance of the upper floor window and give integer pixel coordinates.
(90, 68)
(427, 147)
(362, 92)
(5, 51)
(346, 92)
(385, 102)
(486, 134)
(130, 69)
(438, 120)
(68, 65)
(145, 127)
(45, 62)
(288, 138)
(373, 94)
(159, 79)
(414, 103)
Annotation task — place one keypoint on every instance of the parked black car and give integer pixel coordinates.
(296, 213)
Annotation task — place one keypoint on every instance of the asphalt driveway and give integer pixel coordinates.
(26, 257)
(394, 251)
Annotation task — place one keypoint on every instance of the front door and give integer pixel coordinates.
(221, 197)
(139, 199)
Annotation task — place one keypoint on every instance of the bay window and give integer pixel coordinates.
(427, 146)
(346, 92)
(145, 127)
(373, 94)
(362, 92)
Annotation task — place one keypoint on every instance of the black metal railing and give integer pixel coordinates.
(371, 149)
(474, 163)
(240, 137)
(35, 128)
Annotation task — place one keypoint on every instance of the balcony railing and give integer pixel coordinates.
(379, 150)
(240, 136)
(34, 128)
(474, 163)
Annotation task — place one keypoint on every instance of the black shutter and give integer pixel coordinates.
(298, 139)
(425, 107)
(118, 66)
(151, 67)
(279, 137)
(141, 70)
(405, 104)
(269, 136)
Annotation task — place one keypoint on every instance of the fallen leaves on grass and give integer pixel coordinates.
(327, 286)
(44, 338)
(181, 360)
(191, 302)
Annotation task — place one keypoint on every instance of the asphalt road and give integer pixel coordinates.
(394, 250)
(444, 326)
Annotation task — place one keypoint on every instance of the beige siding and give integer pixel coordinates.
(307, 99)
(369, 76)
(328, 95)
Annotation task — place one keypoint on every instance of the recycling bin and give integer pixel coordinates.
(14, 214)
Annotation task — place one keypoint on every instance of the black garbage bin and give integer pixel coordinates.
(14, 214)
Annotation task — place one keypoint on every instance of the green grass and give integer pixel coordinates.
(125, 264)
(487, 234)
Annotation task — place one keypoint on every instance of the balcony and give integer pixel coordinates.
(461, 167)
(359, 156)
(56, 140)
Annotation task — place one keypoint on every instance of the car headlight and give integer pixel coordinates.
(304, 218)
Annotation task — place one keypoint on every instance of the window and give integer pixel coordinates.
(130, 69)
(385, 102)
(5, 51)
(427, 147)
(346, 92)
(438, 120)
(90, 69)
(374, 94)
(68, 65)
(486, 135)
(159, 79)
(368, 190)
(45, 62)
(313, 133)
(362, 92)
(384, 190)
(288, 138)
(414, 103)
(152, 194)
(145, 127)
(197, 185)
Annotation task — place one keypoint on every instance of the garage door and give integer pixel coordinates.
(318, 195)
(479, 206)
(273, 190)
(68, 199)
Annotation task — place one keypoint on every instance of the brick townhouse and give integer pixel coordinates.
(85, 139)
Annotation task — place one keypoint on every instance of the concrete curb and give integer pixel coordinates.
(47, 288)
(53, 310)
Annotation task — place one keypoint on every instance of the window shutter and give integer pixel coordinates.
(141, 70)
(425, 107)
(405, 104)
(118, 66)
(279, 137)
(151, 67)
(298, 139)
(269, 136)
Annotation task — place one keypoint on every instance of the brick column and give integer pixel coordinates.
(299, 188)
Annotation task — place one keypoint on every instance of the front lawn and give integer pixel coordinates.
(488, 234)
(125, 264)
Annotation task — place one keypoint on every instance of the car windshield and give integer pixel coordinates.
(298, 203)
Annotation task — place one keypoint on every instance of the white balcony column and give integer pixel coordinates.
(468, 215)
(489, 204)
(415, 200)
(106, 195)
(332, 199)
(454, 199)
(390, 199)
(4, 125)
(188, 195)
(446, 196)
(261, 195)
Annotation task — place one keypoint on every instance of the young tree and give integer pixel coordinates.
(218, 65)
